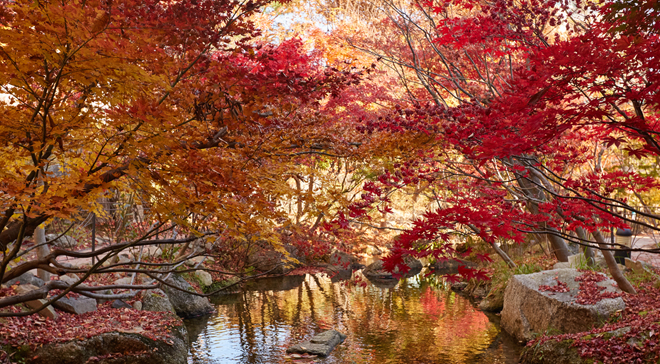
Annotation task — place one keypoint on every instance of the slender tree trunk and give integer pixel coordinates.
(588, 252)
(613, 267)
(42, 251)
(504, 256)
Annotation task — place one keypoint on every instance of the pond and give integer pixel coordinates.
(419, 320)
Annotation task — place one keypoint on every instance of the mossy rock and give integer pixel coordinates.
(110, 348)
(551, 352)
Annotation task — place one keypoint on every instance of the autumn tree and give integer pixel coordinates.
(522, 97)
(179, 102)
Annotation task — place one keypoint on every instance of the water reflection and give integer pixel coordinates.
(416, 321)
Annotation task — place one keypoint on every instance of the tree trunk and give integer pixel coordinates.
(588, 252)
(613, 267)
(42, 251)
(504, 256)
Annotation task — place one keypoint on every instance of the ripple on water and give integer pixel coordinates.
(417, 321)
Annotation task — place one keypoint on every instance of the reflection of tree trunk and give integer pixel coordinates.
(310, 297)
(262, 310)
(299, 304)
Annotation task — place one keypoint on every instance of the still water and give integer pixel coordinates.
(419, 320)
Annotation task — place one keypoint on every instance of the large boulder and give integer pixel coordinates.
(204, 277)
(156, 300)
(64, 241)
(375, 270)
(26, 278)
(528, 310)
(185, 304)
(269, 261)
(78, 305)
(47, 312)
(117, 348)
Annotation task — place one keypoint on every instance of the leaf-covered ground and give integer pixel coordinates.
(631, 336)
(35, 331)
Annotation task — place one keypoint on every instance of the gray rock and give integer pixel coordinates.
(321, 344)
(492, 303)
(137, 305)
(64, 242)
(638, 266)
(25, 288)
(128, 347)
(26, 278)
(194, 261)
(204, 277)
(551, 352)
(69, 279)
(156, 300)
(375, 270)
(459, 286)
(123, 281)
(120, 304)
(269, 261)
(555, 351)
(580, 261)
(77, 305)
(48, 312)
(562, 265)
(185, 304)
(527, 310)
(124, 259)
(450, 265)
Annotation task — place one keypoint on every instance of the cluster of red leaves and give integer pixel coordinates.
(35, 331)
(590, 292)
(637, 341)
(558, 288)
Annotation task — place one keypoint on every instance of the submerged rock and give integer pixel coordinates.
(321, 344)
(527, 310)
